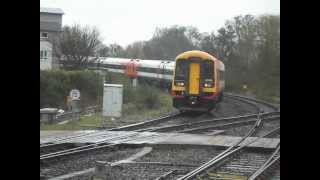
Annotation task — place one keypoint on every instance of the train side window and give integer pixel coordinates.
(221, 75)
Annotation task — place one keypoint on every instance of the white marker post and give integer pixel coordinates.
(75, 103)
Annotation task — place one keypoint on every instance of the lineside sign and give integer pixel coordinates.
(75, 94)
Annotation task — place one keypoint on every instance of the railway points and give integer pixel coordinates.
(131, 137)
(173, 130)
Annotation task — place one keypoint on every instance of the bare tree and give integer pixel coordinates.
(77, 44)
(103, 51)
(135, 50)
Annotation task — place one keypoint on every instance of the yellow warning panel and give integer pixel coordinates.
(194, 78)
(226, 176)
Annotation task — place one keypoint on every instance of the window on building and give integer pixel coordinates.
(44, 34)
(43, 55)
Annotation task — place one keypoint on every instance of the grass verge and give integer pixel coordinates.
(131, 113)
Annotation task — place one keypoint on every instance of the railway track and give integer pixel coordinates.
(221, 156)
(247, 164)
(62, 140)
(267, 170)
(234, 120)
(94, 146)
(217, 122)
(194, 126)
(229, 154)
(264, 113)
(266, 106)
(211, 124)
(161, 120)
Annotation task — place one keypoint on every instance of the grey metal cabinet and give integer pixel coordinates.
(112, 100)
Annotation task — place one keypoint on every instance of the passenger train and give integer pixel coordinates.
(198, 81)
(196, 77)
(157, 69)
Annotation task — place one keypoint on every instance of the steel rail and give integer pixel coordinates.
(226, 125)
(206, 122)
(86, 146)
(150, 122)
(274, 107)
(145, 123)
(64, 152)
(231, 150)
(270, 162)
(93, 146)
(156, 120)
(165, 175)
(253, 103)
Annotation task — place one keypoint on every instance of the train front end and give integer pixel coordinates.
(197, 84)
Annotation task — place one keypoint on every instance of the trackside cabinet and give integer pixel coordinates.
(112, 100)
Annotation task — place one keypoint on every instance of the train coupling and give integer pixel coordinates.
(193, 100)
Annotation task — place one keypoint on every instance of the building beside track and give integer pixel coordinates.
(50, 30)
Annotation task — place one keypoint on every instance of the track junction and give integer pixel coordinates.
(242, 146)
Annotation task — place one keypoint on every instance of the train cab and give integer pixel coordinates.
(198, 81)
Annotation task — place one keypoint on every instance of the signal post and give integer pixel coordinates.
(131, 71)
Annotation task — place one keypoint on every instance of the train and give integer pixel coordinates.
(195, 78)
(154, 69)
(198, 81)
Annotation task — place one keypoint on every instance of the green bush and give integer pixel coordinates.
(55, 86)
(148, 97)
(143, 96)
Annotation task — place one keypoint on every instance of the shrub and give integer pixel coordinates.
(148, 96)
(55, 86)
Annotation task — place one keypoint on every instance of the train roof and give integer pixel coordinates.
(195, 53)
(202, 55)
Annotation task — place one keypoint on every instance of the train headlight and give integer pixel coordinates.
(208, 83)
(180, 83)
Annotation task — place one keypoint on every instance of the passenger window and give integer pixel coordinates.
(221, 75)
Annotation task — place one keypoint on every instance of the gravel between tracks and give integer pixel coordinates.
(176, 154)
(180, 154)
(85, 161)
(232, 107)
(182, 157)
(245, 164)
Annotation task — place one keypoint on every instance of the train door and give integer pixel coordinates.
(194, 79)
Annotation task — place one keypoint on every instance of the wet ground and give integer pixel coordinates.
(180, 158)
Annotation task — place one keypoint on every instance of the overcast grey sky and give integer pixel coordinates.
(126, 21)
